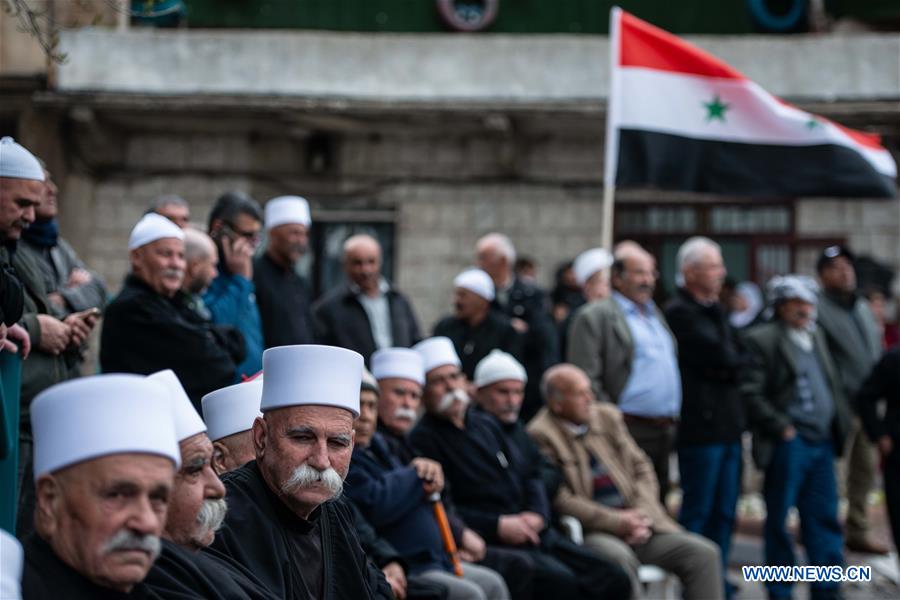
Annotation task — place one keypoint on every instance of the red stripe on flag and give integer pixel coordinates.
(863, 138)
(643, 45)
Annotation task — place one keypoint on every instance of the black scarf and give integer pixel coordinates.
(43, 233)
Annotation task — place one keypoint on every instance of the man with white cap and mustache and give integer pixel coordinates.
(283, 297)
(394, 496)
(502, 500)
(280, 524)
(591, 271)
(150, 326)
(474, 328)
(229, 414)
(105, 457)
(197, 508)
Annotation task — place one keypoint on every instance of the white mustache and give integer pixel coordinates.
(211, 516)
(450, 397)
(128, 540)
(405, 413)
(173, 273)
(305, 476)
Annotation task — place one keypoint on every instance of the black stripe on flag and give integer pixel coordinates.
(681, 163)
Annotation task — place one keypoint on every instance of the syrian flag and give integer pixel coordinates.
(679, 118)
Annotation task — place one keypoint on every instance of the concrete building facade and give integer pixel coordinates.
(427, 140)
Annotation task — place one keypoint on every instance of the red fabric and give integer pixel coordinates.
(644, 45)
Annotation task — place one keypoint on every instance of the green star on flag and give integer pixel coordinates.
(716, 109)
(812, 123)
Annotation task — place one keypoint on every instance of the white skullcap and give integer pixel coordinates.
(311, 375)
(786, 287)
(11, 562)
(437, 352)
(232, 409)
(369, 382)
(477, 281)
(97, 416)
(498, 366)
(401, 363)
(153, 227)
(285, 210)
(187, 422)
(589, 262)
(18, 163)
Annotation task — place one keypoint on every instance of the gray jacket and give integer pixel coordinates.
(853, 340)
(600, 343)
(55, 265)
(769, 385)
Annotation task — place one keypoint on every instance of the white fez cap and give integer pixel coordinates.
(477, 281)
(285, 210)
(498, 366)
(18, 163)
(187, 422)
(153, 227)
(589, 262)
(97, 416)
(437, 352)
(400, 363)
(311, 375)
(11, 562)
(232, 409)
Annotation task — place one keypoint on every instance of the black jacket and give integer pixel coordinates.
(478, 463)
(46, 577)
(540, 344)
(284, 302)
(12, 294)
(144, 332)
(181, 574)
(262, 534)
(474, 343)
(710, 356)
(340, 320)
(882, 384)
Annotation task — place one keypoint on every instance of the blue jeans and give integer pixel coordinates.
(710, 482)
(801, 474)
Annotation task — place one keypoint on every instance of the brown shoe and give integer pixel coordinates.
(867, 546)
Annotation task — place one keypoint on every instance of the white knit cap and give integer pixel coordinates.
(153, 227)
(589, 262)
(232, 409)
(187, 422)
(437, 352)
(285, 210)
(786, 287)
(477, 281)
(498, 366)
(311, 375)
(400, 363)
(18, 163)
(90, 417)
(11, 562)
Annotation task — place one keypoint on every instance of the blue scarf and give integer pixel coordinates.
(43, 233)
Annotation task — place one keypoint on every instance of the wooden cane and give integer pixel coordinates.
(446, 534)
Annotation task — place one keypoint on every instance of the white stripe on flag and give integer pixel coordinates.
(673, 103)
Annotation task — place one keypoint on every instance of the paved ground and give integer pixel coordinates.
(747, 549)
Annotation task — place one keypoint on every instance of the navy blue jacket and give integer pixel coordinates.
(390, 497)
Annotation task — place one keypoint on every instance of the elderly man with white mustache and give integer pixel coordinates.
(150, 325)
(197, 508)
(284, 521)
(105, 455)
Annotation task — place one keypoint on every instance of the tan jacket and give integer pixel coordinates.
(610, 443)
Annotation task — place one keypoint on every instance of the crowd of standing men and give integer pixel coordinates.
(521, 452)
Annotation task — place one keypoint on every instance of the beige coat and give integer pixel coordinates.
(609, 441)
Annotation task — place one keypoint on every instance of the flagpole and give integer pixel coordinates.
(611, 158)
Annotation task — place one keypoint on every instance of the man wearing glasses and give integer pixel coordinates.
(234, 224)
